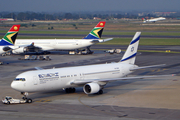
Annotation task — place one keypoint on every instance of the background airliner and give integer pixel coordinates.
(93, 78)
(7, 42)
(39, 45)
(153, 20)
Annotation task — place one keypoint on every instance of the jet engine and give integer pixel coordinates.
(19, 50)
(6, 48)
(91, 88)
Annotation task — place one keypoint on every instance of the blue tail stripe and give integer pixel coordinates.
(89, 36)
(129, 57)
(132, 42)
(3, 43)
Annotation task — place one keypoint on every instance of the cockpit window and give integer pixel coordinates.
(19, 79)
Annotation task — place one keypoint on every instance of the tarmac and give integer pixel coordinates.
(140, 99)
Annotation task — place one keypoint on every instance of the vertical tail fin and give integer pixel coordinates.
(10, 37)
(130, 54)
(144, 20)
(97, 31)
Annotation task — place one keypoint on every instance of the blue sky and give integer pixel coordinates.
(88, 5)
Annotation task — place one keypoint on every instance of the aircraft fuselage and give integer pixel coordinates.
(54, 79)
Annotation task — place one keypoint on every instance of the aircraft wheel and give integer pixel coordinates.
(70, 90)
(101, 92)
(8, 103)
(73, 90)
(67, 90)
(24, 98)
(29, 100)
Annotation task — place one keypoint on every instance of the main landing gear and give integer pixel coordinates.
(89, 51)
(70, 90)
(100, 92)
(28, 100)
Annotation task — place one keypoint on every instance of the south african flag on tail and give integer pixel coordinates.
(10, 37)
(97, 31)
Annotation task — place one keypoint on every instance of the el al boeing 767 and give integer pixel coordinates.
(43, 45)
(93, 78)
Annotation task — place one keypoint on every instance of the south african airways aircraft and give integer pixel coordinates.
(43, 45)
(93, 78)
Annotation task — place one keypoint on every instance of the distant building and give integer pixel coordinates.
(164, 13)
(96, 18)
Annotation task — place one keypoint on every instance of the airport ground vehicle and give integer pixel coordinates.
(10, 100)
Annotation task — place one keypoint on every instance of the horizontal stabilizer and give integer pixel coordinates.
(103, 40)
(136, 68)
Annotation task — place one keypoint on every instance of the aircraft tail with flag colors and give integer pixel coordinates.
(97, 31)
(10, 37)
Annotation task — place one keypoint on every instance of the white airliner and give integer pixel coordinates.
(7, 42)
(153, 20)
(93, 78)
(40, 45)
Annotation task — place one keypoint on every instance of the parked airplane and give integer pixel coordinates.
(153, 20)
(93, 78)
(43, 45)
(7, 42)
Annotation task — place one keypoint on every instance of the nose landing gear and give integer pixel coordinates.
(28, 100)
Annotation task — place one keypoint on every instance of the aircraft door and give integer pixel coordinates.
(78, 42)
(54, 43)
(123, 71)
(81, 76)
(35, 79)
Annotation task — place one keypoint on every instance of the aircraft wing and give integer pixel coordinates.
(80, 82)
(27, 48)
(38, 68)
(103, 40)
(30, 46)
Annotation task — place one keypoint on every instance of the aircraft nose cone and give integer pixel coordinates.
(14, 85)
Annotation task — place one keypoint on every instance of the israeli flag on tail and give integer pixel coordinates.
(130, 54)
(10, 37)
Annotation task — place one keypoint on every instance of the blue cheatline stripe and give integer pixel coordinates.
(135, 40)
(129, 57)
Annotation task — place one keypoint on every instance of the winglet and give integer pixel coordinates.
(10, 37)
(97, 31)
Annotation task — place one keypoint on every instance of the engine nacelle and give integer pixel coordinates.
(19, 50)
(91, 88)
(6, 48)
